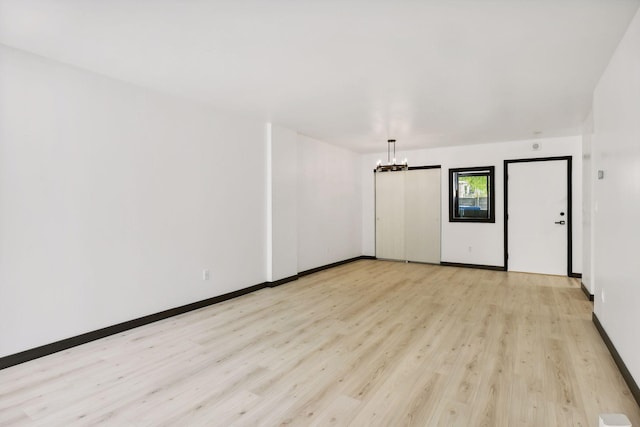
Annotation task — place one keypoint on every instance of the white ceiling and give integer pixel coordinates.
(350, 72)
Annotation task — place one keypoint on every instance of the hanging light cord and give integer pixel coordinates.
(391, 141)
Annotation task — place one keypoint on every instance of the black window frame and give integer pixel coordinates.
(488, 171)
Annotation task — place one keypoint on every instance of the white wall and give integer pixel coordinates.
(329, 204)
(486, 240)
(616, 151)
(587, 203)
(114, 198)
(282, 174)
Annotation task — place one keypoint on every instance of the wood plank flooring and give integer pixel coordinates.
(371, 343)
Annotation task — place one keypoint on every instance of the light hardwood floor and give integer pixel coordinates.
(365, 344)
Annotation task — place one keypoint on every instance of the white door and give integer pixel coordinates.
(538, 214)
(390, 215)
(422, 215)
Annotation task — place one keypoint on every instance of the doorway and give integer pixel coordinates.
(407, 211)
(538, 215)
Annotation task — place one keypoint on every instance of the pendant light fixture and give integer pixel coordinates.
(391, 162)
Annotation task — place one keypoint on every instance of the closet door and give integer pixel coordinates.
(422, 215)
(390, 215)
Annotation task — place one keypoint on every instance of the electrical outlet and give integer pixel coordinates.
(602, 295)
(206, 274)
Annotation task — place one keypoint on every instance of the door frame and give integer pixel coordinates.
(569, 208)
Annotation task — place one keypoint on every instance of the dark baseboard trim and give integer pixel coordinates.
(633, 386)
(479, 266)
(335, 264)
(586, 291)
(282, 281)
(576, 275)
(45, 350)
(315, 270)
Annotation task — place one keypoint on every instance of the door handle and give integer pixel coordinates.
(560, 222)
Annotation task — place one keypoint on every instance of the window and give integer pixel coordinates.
(471, 196)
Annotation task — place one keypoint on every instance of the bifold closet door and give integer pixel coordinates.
(390, 233)
(422, 215)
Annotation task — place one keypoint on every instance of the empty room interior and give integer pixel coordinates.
(319, 212)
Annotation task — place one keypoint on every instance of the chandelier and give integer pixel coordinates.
(391, 164)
